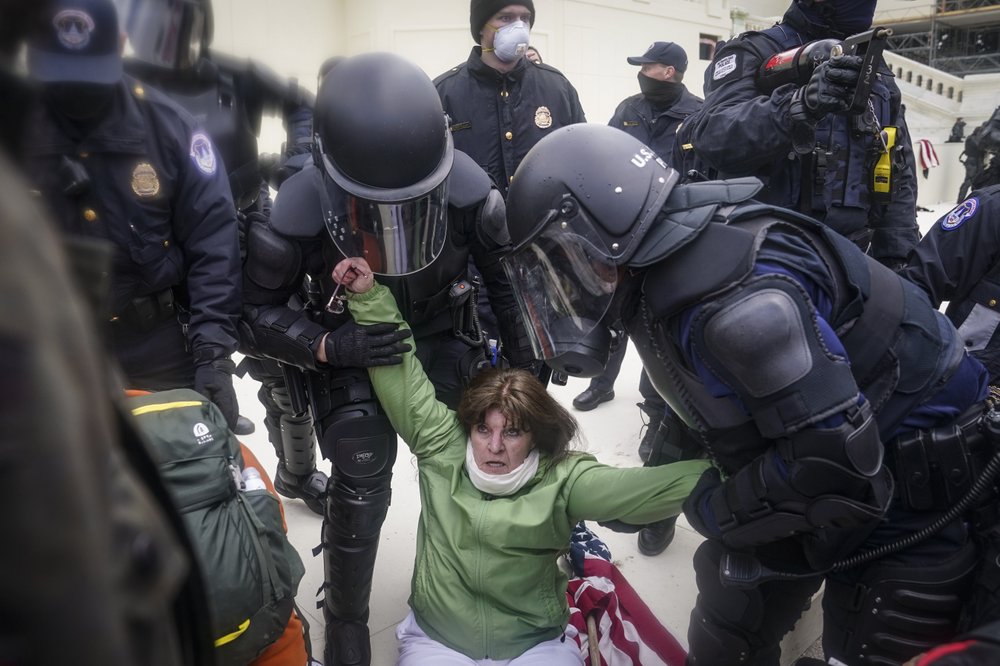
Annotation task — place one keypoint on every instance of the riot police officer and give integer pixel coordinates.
(799, 138)
(386, 184)
(811, 374)
(229, 96)
(116, 160)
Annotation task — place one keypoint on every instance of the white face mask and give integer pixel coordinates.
(500, 485)
(511, 41)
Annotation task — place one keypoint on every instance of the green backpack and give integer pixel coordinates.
(250, 569)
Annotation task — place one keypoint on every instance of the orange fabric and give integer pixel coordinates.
(288, 650)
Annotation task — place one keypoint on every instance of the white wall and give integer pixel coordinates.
(587, 39)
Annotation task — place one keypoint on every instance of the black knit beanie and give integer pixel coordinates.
(481, 11)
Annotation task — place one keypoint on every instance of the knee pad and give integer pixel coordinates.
(711, 644)
(356, 435)
(893, 612)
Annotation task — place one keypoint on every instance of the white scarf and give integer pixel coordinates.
(500, 485)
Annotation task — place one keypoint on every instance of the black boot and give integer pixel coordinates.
(653, 423)
(244, 426)
(655, 537)
(347, 644)
(591, 398)
(310, 488)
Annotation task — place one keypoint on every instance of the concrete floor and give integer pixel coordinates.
(611, 432)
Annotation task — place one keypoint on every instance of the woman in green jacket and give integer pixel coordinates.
(500, 492)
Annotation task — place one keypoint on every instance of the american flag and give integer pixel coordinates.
(626, 631)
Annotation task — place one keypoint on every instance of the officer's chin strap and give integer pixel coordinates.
(743, 570)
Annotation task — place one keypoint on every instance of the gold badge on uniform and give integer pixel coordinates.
(543, 117)
(145, 183)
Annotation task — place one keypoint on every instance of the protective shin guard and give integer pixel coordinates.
(895, 612)
(297, 444)
(354, 517)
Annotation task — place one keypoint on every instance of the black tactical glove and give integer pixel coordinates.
(830, 88)
(215, 381)
(356, 346)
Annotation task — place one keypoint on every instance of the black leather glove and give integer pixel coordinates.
(355, 346)
(695, 503)
(830, 89)
(215, 381)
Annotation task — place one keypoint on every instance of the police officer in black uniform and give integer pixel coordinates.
(499, 102)
(958, 260)
(811, 374)
(386, 184)
(87, 511)
(230, 97)
(798, 138)
(119, 161)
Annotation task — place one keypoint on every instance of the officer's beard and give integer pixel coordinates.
(661, 94)
(83, 105)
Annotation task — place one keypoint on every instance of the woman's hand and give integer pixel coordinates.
(355, 274)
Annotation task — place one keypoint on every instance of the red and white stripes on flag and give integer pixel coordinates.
(628, 634)
(928, 156)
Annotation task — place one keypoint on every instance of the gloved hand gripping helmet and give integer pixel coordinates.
(383, 140)
(167, 33)
(578, 208)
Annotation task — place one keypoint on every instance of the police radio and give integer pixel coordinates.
(797, 65)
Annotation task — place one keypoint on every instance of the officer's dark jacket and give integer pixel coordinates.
(497, 117)
(654, 127)
(295, 243)
(776, 337)
(958, 261)
(741, 131)
(158, 191)
(228, 98)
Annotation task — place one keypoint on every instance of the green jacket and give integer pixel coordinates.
(486, 580)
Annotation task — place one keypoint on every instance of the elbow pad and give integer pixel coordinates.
(284, 335)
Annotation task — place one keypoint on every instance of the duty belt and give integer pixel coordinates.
(935, 467)
(143, 313)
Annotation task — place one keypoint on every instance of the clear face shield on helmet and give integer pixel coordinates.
(395, 238)
(165, 33)
(565, 283)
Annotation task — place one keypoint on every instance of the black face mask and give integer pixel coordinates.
(659, 93)
(83, 103)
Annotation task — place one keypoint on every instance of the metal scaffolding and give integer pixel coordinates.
(955, 36)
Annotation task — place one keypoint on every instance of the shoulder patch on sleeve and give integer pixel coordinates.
(959, 214)
(203, 154)
(725, 66)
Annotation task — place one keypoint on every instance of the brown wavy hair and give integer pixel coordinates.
(525, 403)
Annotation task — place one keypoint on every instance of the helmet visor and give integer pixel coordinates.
(394, 238)
(165, 33)
(565, 282)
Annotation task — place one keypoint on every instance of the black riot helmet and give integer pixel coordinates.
(173, 34)
(383, 139)
(578, 209)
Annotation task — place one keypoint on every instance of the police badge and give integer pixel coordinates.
(543, 117)
(145, 182)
